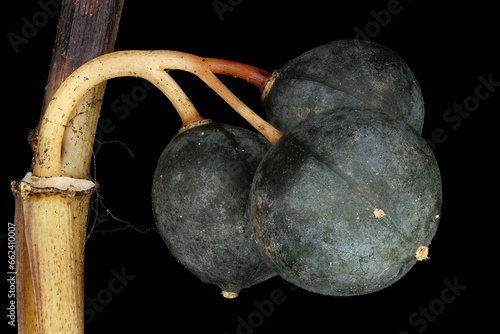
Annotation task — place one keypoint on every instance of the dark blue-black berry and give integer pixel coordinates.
(346, 202)
(200, 202)
(344, 73)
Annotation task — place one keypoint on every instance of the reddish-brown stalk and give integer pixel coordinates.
(252, 74)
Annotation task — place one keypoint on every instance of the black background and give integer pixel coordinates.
(448, 46)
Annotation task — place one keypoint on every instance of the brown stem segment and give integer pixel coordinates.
(86, 29)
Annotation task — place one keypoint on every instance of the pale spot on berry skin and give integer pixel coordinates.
(378, 213)
(422, 253)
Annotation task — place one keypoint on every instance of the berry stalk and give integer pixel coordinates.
(149, 65)
(256, 76)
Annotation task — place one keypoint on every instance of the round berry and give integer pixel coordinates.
(344, 73)
(200, 201)
(346, 202)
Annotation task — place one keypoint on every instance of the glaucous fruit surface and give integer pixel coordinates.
(344, 73)
(344, 202)
(200, 201)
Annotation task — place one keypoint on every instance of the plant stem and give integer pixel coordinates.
(86, 29)
(51, 218)
(51, 214)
